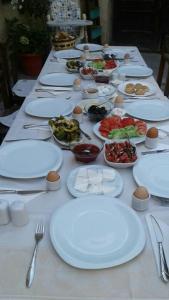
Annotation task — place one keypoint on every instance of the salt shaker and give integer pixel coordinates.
(77, 114)
(18, 213)
(140, 198)
(151, 140)
(53, 181)
(4, 212)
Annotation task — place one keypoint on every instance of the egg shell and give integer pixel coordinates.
(152, 132)
(127, 55)
(77, 110)
(119, 99)
(53, 176)
(141, 193)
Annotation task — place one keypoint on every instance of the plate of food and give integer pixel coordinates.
(103, 65)
(137, 88)
(65, 131)
(117, 53)
(120, 154)
(73, 65)
(94, 179)
(118, 128)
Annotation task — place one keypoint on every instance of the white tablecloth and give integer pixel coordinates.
(54, 279)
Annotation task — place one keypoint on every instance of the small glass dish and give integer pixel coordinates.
(88, 151)
(97, 112)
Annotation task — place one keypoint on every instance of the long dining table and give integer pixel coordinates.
(54, 278)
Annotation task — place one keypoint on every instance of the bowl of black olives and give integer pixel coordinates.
(97, 112)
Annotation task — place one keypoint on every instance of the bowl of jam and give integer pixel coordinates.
(87, 152)
(97, 112)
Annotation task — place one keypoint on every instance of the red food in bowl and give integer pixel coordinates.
(86, 152)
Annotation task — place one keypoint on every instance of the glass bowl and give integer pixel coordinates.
(97, 112)
(87, 152)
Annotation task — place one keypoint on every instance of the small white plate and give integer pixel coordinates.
(155, 110)
(58, 79)
(152, 171)
(135, 71)
(29, 159)
(134, 140)
(105, 90)
(122, 86)
(92, 47)
(118, 181)
(49, 107)
(68, 53)
(96, 232)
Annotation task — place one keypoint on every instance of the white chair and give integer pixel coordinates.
(23, 87)
(8, 120)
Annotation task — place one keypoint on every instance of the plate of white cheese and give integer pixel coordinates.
(94, 180)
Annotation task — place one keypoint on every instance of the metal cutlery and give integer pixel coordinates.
(155, 151)
(163, 130)
(85, 134)
(159, 238)
(39, 233)
(54, 89)
(14, 191)
(26, 126)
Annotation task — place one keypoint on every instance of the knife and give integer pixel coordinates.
(10, 191)
(159, 239)
(155, 151)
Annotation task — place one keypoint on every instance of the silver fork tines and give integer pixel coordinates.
(39, 233)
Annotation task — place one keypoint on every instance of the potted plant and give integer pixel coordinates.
(29, 36)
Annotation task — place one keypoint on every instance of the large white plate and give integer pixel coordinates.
(68, 53)
(152, 89)
(118, 53)
(49, 107)
(92, 47)
(58, 79)
(155, 110)
(29, 159)
(152, 171)
(134, 140)
(118, 181)
(96, 232)
(135, 71)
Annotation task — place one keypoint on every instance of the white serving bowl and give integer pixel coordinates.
(87, 76)
(119, 165)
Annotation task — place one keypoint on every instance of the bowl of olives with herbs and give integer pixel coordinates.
(97, 112)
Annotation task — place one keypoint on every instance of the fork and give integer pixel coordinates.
(39, 233)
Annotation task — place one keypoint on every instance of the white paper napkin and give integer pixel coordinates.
(162, 218)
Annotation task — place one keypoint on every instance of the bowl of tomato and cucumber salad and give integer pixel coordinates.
(119, 128)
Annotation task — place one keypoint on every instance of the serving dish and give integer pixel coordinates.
(144, 89)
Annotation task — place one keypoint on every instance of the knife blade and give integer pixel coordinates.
(159, 239)
(155, 151)
(13, 191)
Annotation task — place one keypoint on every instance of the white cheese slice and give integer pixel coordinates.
(108, 188)
(95, 189)
(94, 176)
(108, 175)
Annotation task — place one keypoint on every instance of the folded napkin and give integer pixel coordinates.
(163, 220)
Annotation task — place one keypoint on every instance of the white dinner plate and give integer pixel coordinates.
(58, 79)
(29, 159)
(117, 182)
(151, 91)
(92, 47)
(49, 107)
(68, 53)
(134, 140)
(135, 71)
(152, 171)
(155, 110)
(118, 53)
(96, 232)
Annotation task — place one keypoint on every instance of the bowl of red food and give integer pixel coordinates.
(87, 72)
(120, 155)
(97, 112)
(87, 152)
